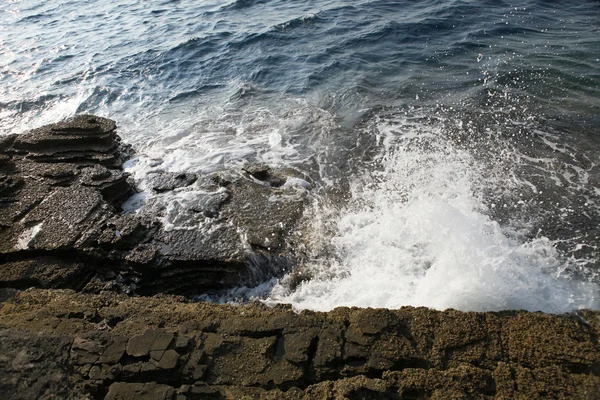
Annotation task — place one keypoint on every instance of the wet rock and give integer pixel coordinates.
(210, 204)
(60, 174)
(84, 139)
(60, 192)
(61, 188)
(114, 186)
(145, 253)
(265, 173)
(166, 181)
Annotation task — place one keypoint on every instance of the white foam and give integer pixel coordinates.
(417, 233)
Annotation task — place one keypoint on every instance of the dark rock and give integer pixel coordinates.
(258, 171)
(114, 352)
(114, 186)
(263, 172)
(143, 254)
(210, 204)
(61, 187)
(168, 360)
(182, 342)
(34, 366)
(84, 139)
(59, 171)
(166, 181)
(59, 221)
(44, 272)
(135, 391)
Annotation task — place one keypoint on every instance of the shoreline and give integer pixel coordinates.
(92, 299)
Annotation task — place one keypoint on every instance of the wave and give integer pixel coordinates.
(417, 231)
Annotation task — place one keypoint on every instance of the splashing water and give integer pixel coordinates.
(417, 232)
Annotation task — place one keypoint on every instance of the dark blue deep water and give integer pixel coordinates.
(482, 116)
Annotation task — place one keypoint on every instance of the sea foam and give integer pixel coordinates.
(418, 232)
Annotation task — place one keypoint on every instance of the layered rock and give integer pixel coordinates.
(61, 226)
(128, 348)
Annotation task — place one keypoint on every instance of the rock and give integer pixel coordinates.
(84, 139)
(166, 181)
(114, 186)
(151, 340)
(168, 360)
(236, 351)
(34, 366)
(145, 253)
(44, 272)
(61, 187)
(264, 173)
(210, 204)
(62, 231)
(135, 391)
(114, 352)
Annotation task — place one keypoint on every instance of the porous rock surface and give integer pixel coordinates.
(77, 345)
(61, 226)
(73, 326)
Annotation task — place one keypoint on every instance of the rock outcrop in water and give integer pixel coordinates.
(61, 225)
(82, 331)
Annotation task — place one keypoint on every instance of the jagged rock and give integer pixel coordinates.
(84, 139)
(265, 173)
(210, 204)
(145, 253)
(114, 186)
(44, 272)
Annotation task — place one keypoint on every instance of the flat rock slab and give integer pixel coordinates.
(122, 347)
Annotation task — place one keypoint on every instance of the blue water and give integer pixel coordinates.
(342, 90)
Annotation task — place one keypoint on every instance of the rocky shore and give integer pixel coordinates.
(61, 225)
(95, 302)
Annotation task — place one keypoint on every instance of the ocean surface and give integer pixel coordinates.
(454, 146)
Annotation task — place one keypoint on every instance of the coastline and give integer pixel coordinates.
(107, 316)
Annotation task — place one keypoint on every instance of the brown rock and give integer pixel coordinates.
(114, 352)
(151, 340)
(168, 360)
(135, 391)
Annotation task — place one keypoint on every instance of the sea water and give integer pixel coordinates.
(453, 145)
